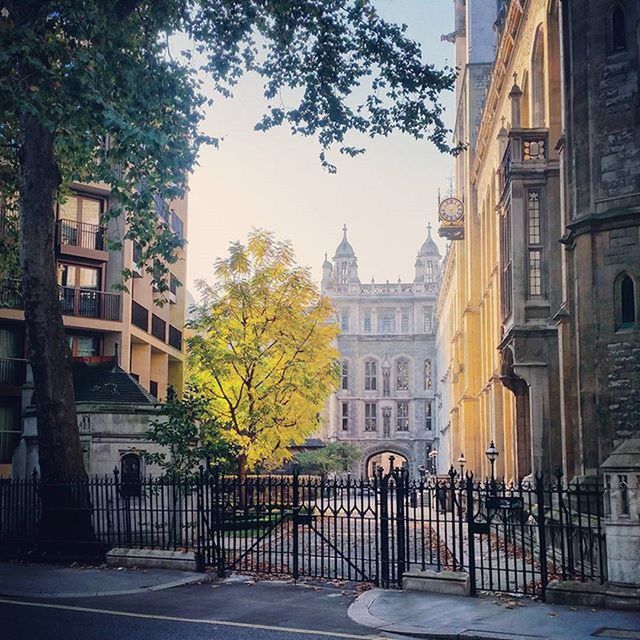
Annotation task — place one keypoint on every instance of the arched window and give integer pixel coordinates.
(428, 372)
(402, 375)
(370, 376)
(618, 30)
(538, 81)
(627, 302)
(131, 475)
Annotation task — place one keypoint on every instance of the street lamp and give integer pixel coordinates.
(492, 455)
(462, 461)
(432, 455)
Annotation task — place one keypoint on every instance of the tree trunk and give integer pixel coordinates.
(65, 515)
(242, 480)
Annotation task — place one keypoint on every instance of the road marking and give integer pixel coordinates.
(224, 623)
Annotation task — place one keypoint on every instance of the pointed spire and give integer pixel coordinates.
(344, 250)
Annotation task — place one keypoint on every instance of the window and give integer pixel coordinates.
(535, 272)
(404, 322)
(623, 486)
(130, 475)
(626, 302)
(71, 275)
(618, 30)
(345, 416)
(344, 320)
(84, 346)
(538, 81)
(402, 416)
(177, 225)
(428, 321)
(345, 375)
(370, 376)
(344, 273)
(429, 271)
(387, 322)
(534, 217)
(506, 262)
(428, 373)
(81, 209)
(402, 375)
(428, 415)
(367, 322)
(370, 416)
(534, 240)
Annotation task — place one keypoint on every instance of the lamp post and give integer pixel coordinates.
(462, 461)
(492, 454)
(433, 454)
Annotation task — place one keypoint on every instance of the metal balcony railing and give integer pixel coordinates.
(81, 234)
(175, 338)
(139, 316)
(158, 327)
(13, 371)
(88, 303)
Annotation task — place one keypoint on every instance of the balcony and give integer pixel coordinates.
(88, 303)
(158, 327)
(527, 152)
(175, 338)
(139, 316)
(13, 372)
(81, 239)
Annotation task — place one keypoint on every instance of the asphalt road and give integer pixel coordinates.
(262, 611)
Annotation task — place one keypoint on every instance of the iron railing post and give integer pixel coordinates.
(470, 535)
(384, 528)
(401, 479)
(296, 520)
(542, 535)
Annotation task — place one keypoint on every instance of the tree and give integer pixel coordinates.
(335, 457)
(92, 91)
(263, 350)
(188, 436)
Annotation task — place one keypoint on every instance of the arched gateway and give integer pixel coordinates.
(379, 454)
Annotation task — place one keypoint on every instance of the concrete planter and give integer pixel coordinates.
(155, 559)
(449, 582)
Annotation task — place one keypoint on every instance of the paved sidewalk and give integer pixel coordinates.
(53, 581)
(430, 615)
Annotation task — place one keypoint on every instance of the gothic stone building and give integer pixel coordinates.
(385, 400)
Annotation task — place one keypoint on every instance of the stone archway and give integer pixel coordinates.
(381, 451)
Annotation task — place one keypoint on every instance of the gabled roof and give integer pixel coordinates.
(104, 381)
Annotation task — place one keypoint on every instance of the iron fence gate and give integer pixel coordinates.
(511, 537)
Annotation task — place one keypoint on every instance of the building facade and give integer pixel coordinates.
(102, 322)
(385, 401)
(538, 312)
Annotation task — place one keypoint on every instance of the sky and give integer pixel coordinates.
(274, 180)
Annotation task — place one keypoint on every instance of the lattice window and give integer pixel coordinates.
(370, 416)
(370, 375)
(345, 375)
(367, 322)
(344, 321)
(534, 240)
(402, 375)
(345, 416)
(428, 375)
(428, 415)
(429, 274)
(534, 217)
(402, 416)
(404, 322)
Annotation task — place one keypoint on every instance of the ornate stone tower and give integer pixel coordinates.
(428, 261)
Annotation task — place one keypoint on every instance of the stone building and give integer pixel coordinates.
(99, 319)
(385, 400)
(538, 312)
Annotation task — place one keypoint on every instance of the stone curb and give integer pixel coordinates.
(359, 612)
(93, 594)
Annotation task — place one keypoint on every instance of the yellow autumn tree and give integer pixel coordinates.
(262, 350)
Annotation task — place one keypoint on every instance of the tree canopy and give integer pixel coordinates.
(262, 351)
(335, 457)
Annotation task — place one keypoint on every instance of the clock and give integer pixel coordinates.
(451, 210)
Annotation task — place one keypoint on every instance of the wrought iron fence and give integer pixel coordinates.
(511, 537)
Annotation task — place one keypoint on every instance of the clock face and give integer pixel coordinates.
(451, 210)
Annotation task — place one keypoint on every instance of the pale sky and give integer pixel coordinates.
(275, 181)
